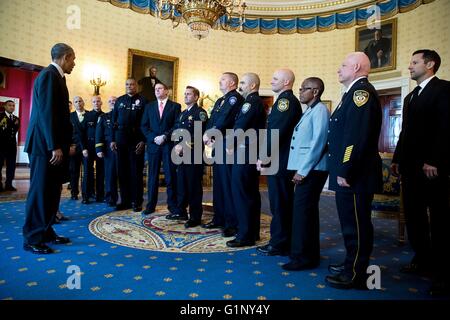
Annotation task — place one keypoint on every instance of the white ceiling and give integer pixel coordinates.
(291, 7)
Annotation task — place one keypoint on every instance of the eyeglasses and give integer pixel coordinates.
(305, 89)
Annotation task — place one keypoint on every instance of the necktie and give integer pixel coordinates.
(161, 108)
(342, 99)
(415, 93)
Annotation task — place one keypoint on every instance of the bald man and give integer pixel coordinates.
(355, 168)
(103, 139)
(222, 118)
(244, 176)
(284, 116)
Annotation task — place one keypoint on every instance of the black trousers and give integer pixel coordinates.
(75, 169)
(428, 235)
(110, 161)
(93, 179)
(354, 210)
(305, 239)
(246, 200)
(131, 174)
(42, 201)
(8, 156)
(224, 214)
(190, 190)
(281, 196)
(170, 174)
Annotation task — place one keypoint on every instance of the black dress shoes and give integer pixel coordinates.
(10, 188)
(239, 243)
(211, 225)
(343, 281)
(176, 216)
(38, 248)
(111, 204)
(295, 265)
(85, 201)
(123, 206)
(268, 250)
(74, 197)
(147, 212)
(229, 232)
(191, 224)
(60, 240)
(137, 207)
(336, 268)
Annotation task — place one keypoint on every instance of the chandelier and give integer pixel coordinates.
(202, 15)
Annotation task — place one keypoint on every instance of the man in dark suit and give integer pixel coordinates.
(148, 84)
(9, 125)
(129, 143)
(244, 176)
(157, 126)
(78, 147)
(284, 116)
(95, 179)
(422, 157)
(48, 140)
(190, 172)
(355, 168)
(222, 118)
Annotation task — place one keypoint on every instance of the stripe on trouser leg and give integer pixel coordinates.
(357, 231)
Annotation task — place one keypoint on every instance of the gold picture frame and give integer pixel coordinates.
(380, 45)
(139, 63)
(328, 104)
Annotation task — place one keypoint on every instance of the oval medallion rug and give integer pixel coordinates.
(155, 232)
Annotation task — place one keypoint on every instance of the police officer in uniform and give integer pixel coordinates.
(9, 125)
(77, 118)
(90, 154)
(103, 139)
(223, 116)
(189, 174)
(129, 142)
(284, 116)
(355, 168)
(244, 176)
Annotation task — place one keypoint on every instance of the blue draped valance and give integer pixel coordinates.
(298, 23)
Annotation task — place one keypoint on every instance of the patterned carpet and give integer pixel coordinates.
(125, 271)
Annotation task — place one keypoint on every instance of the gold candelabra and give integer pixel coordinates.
(97, 83)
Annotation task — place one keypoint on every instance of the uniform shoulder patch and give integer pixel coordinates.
(232, 100)
(203, 116)
(360, 97)
(283, 105)
(245, 107)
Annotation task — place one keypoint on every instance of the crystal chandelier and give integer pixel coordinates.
(202, 15)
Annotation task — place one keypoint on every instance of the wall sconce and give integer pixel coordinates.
(97, 77)
(97, 83)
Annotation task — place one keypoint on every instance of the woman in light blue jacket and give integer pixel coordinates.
(308, 158)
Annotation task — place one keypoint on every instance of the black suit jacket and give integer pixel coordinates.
(354, 130)
(79, 131)
(8, 131)
(425, 135)
(50, 127)
(152, 125)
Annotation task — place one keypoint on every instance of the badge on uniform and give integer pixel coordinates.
(283, 105)
(360, 97)
(203, 116)
(245, 107)
(190, 118)
(137, 102)
(232, 100)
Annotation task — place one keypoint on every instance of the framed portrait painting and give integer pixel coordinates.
(379, 44)
(150, 68)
